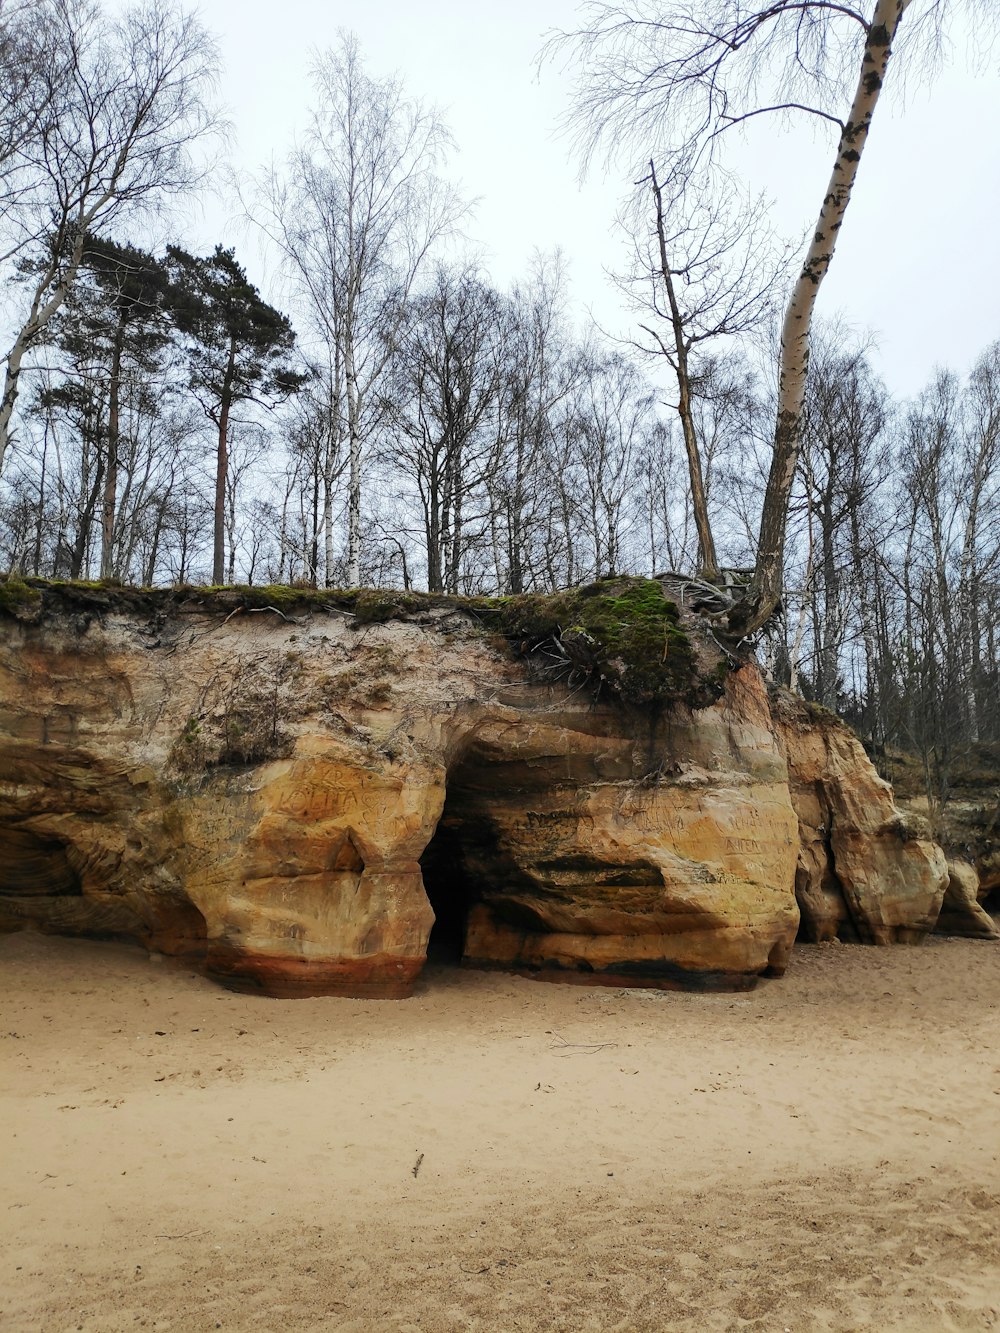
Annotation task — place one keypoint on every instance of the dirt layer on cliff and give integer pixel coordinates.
(820, 1154)
(620, 636)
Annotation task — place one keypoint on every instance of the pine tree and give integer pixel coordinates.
(112, 328)
(238, 348)
(133, 285)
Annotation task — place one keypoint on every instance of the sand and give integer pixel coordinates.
(500, 1154)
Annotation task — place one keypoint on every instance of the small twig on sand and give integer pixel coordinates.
(416, 1167)
(181, 1234)
(578, 1047)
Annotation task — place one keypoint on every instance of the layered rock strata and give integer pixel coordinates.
(866, 871)
(285, 791)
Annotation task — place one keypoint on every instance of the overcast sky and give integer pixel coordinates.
(918, 262)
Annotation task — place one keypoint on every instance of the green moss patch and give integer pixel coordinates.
(622, 636)
(16, 596)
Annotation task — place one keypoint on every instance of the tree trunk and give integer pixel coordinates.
(764, 593)
(38, 317)
(708, 562)
(154, 543)
(111, 473)
(331, 462)
(354, 481)
(10, 388)
(795, 652)
(222, 472)
(314, 544)
(40, 513)
(828, 647)
(863, 577)
(79, 550)
(432, 531)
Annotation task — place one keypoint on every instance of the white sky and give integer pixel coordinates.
(918, 262)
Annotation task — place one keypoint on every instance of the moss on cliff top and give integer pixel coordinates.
(21, 595)
(620, 637)
(16, 596)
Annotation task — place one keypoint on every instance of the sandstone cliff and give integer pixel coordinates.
(295, 787)
(866, 871)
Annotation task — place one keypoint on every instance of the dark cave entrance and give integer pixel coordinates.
(469, 862)
(34, 865)
(448, 886)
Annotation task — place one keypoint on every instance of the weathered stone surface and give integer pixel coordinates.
(684, 880)
(866, 871)
(961, 911)
(988, 869)
(286, 798)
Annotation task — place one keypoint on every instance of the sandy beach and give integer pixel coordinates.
(820, 1154)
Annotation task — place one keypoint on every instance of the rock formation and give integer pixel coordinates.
(292, 787)
(962, 912)
(865, 870)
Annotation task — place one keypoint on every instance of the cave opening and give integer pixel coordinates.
(469, 863)
(34, 865)
(449, 889)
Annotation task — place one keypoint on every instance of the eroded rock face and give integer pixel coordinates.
(967, 829)
(962, 912)
(865, 871)
(684, 879)
(272, 793)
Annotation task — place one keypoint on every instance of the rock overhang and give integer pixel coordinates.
(267, 771)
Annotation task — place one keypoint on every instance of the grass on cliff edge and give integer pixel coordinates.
(619, 636)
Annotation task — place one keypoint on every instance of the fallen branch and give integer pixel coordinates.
(578, 1047)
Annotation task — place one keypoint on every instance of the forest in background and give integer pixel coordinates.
(403, 422)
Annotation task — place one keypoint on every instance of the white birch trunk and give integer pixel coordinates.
(38, 317)
(354, 480)
(764, 593)
(331, 464)
(327, 527)
(795, 654)
(40, 314)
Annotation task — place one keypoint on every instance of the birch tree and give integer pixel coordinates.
(109, 128)
(843, 462)
(704, 270)
(538, 373)
(357, 213)
(443, 429)
(682, 73)
(33, 71)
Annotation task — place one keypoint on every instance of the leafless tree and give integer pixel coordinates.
(356, 214)
(609, 420)
(538, 375)
(950, 562)
(33, 71)
(704, 268)
(442, 413)
(125, 101)
(684, 72)
(844, 463)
